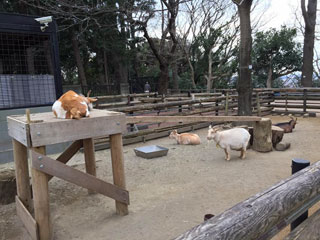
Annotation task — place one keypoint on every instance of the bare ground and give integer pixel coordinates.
(168, 195)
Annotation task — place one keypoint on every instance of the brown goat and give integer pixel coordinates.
(185, 138)
(287, 126)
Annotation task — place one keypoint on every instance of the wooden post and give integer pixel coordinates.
(262, 136)
(90, 160)
(286, 102)
(304, 100)
(20, 155)
(258, 104)
(226, 104)
(41, 200)
(118, 169)
(217, 105)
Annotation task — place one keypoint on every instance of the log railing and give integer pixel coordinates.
(263, 215)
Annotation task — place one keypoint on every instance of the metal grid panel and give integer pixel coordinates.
(26, 70)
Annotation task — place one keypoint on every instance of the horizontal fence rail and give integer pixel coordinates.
(264, 214)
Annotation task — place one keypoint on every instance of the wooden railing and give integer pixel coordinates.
(265, 214)
(264, 102)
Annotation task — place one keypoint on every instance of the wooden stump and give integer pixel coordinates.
(262, 136)
(8, 188)
(277, 135)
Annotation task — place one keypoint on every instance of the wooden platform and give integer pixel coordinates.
(44, 129)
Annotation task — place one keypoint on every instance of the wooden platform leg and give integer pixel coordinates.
(41, 200)
(118, 169)
(89, 157)
(20, 154)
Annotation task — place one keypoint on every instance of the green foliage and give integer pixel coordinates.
(275, 49)
(214, 42)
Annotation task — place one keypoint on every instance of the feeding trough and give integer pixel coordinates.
(151, 151)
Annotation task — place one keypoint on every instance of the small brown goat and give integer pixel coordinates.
(287, 126)
(185, 138)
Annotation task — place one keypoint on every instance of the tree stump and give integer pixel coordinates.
(277, 135)
(262, 136)
(8, 188)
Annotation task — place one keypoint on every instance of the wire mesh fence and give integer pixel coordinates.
(26, 70)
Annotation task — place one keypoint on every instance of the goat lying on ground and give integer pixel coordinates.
(287, 126)
(232, 139)
(185, 138)
(72, 105)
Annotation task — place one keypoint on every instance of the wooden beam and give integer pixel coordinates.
(27, 219)
(113, 97)
(89, 158)
(309, 229)
(287, 89)
(40, 191)
(189, 119)
(264, 214)
(20, 155)
(68, 153)
(60, 170)
(170, 104)
(118, 169)
(275, 105)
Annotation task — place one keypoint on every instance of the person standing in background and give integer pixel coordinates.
(147, 87)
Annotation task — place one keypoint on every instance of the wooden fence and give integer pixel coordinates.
(223, 102)
(152, 104)
(265, 214)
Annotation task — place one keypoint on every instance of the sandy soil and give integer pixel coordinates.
(168, 195)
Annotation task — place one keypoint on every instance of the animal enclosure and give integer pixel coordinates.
(29, 63)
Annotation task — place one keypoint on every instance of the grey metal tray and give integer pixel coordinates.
(151, 151)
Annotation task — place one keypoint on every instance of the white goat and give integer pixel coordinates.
(185, 138)
(235, 139)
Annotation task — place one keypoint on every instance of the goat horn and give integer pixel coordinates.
(88, 94)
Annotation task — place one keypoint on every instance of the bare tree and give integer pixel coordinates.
(213, 21)
(164, 52)
(244, 86)
(309, 17)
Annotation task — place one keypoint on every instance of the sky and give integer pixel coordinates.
(281, 12)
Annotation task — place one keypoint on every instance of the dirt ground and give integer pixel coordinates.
(168, 195)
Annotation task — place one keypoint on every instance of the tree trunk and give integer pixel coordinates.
(262, 136)
(209, 78)
(100, 61)
(269, 79)
(175, 77)
(192, 74)
(30, 59)
(121, 72)
(47, 50)
(105, 66)
(174, 67)
(76, 52)
(163, 80)
(309, 35)
(244, 86)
